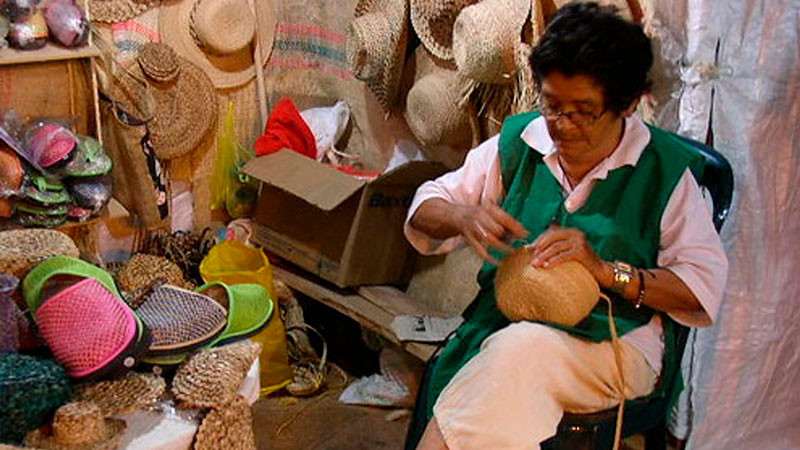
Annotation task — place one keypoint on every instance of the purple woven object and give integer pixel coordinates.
(9, 314)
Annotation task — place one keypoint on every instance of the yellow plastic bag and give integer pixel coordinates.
(232, 190)
(233, 262)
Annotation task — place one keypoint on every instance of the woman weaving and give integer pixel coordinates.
(584, 180)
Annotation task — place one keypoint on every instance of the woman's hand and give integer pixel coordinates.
(558, 245)
(485, 227)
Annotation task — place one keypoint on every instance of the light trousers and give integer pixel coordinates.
(514, 392)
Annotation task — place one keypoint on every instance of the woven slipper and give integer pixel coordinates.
(180, 320)
(61, 269)
(249, 309)
(123, 395)
(91, 331)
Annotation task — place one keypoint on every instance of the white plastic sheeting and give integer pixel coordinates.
(739, 66)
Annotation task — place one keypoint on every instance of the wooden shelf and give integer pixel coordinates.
(50, 52)
(374, 307)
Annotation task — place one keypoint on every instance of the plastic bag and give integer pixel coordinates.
(328, 124)
(231, 189)
(234, 262)
(67, 23)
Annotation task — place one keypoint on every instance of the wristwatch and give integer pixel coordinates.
(623, 276)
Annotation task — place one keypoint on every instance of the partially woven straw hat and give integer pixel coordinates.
(376, 46)
(563, 294)
(123, 395)
(433, 22)
(219, 36)
(485, 38)
(229, 427)
(110, 11)
(185, 106)
(20, 250)
(78, 425)
(433, 110)
(143, 271)
(211, 377)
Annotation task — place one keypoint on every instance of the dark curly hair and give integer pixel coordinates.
(592, 40)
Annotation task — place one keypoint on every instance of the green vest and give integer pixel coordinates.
(621, 220)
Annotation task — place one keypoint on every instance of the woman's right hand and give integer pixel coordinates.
(487, 226)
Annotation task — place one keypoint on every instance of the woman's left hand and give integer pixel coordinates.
(558, 245)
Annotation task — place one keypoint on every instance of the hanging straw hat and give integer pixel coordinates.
(485, 38)
(211, 377)
(218, 36)
(20, 250)
(564, 294)
(229, 427)
(185, 102)
(376, 46)
(433, 110)
(110, 11)
(78, 425)
(123, 395)
(433, 22)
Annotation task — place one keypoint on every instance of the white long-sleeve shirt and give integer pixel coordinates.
(689, 245)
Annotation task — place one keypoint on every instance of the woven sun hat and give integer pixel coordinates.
(91, 331)
(123, 395)
(563, 294)
(78, 426)
(229, 427)
(211, 377)
(31, 389)
(58, 272)
(20, 250)
(180, 320)
(185, 106)
(143, 270)
(249, 309)
(433, 22)
(433, 108)
(485, 39)
(110, 11)
(376, 46)
(218, 36)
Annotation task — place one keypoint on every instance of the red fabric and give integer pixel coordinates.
(286, 129)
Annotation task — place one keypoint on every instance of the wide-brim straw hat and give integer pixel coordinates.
(563, 294)
(78, 426)
(485, 38)
(434, 111)
(110, 11)
(218, 36)
(211, 377)
(20, 250)
(123, 395)
(229, 427)
(376, 46)
(433, 22)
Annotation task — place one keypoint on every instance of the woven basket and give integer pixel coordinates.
(180, 320)
(564, 294)
(20, 250)
(78, 425)
(142, 270)
(212, 377)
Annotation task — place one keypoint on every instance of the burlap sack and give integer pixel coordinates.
(138, 180)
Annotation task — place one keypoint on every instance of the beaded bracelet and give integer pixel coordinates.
(640, 296)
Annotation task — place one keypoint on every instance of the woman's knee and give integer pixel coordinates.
(523, 336)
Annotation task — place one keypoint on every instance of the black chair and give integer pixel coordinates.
(642, 416)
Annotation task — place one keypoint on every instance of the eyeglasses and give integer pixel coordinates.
(582, 119)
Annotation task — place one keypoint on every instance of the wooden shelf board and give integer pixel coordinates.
(50, 52)
(375, 316)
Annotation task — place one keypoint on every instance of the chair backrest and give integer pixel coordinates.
(717, 178)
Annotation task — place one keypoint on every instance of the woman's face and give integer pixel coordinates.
(582, 129)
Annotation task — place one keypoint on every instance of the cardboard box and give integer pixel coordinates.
(344, 229)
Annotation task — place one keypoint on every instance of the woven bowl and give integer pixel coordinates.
(564, 294)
